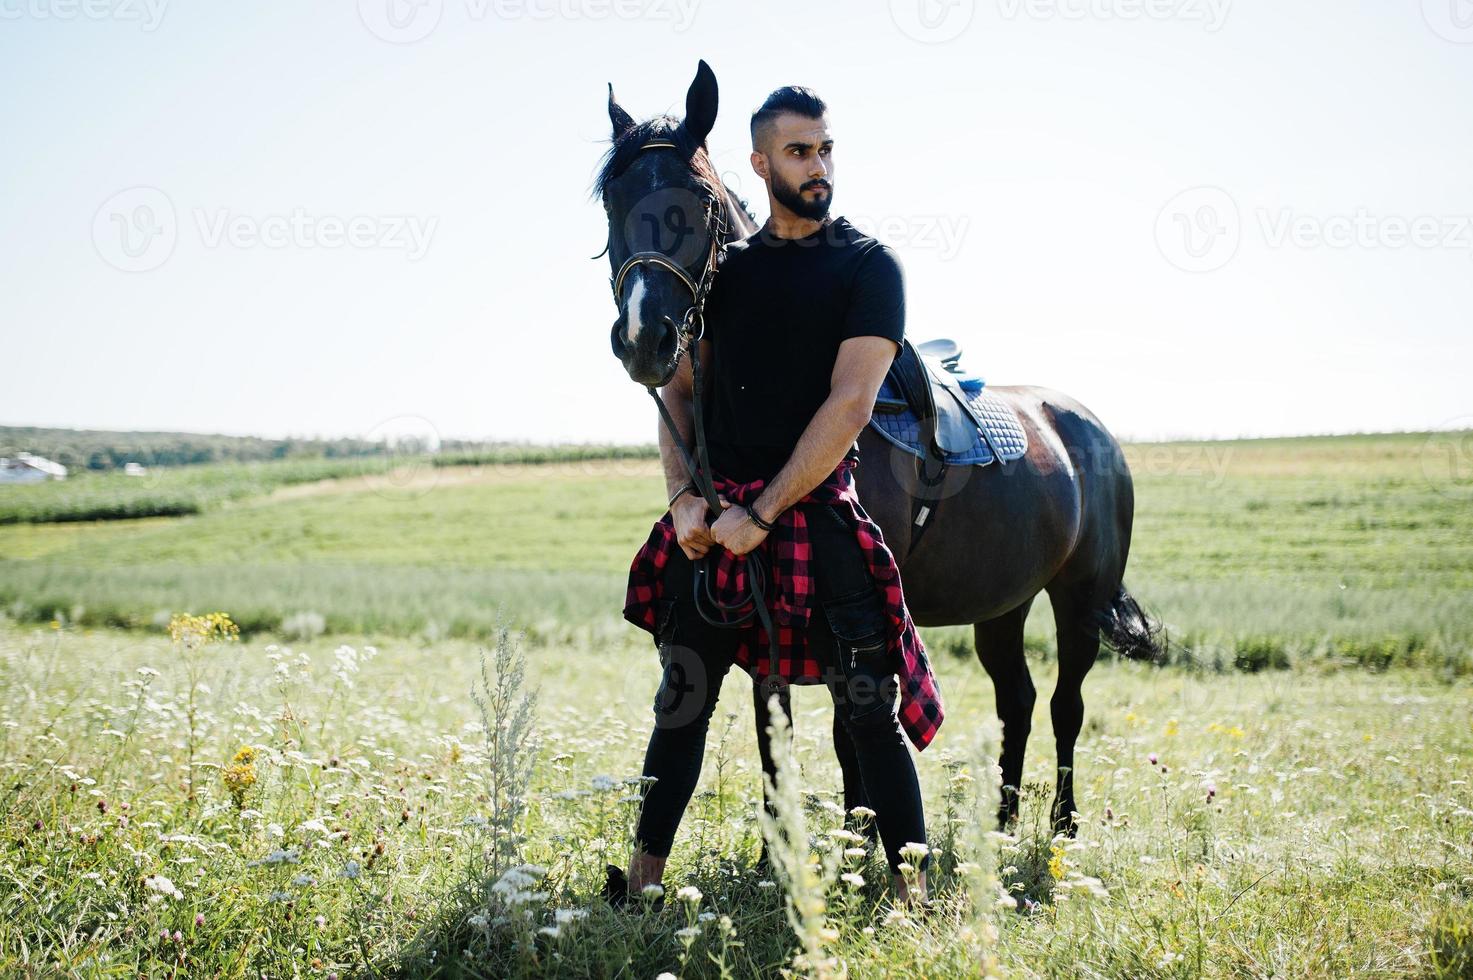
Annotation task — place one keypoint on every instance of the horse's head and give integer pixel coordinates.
(667, 213)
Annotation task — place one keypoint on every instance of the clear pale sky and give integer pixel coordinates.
(1040, 166)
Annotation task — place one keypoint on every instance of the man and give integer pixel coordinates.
(802, 323)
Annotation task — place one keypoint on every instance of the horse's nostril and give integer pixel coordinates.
(617, 340)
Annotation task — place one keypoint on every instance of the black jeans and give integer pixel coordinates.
(847, 633)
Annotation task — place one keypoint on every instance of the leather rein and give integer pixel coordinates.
(689, 331)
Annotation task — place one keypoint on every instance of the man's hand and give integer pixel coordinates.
(735, 531)
(688, 514)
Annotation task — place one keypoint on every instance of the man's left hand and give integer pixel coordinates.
(735, 531)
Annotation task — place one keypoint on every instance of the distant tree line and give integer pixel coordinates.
(97, 450)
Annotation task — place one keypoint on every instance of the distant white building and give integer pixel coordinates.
(134, 469)
(29, 468)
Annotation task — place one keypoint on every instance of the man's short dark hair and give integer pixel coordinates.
(790, 98)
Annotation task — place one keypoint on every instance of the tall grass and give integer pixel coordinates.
(1306, 824)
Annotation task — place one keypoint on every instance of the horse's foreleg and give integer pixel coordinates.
(1079, 645)
(763, 718)
(1000, 648)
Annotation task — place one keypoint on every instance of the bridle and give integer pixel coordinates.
(700, 286)
(688, 332)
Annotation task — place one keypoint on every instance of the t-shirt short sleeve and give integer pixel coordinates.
(877, 298)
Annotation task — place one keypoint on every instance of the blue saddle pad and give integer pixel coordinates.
(902, 428)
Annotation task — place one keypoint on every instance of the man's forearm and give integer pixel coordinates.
(830, 433)
(670, 457)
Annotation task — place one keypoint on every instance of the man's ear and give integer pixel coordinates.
(622, 121)
(759, 164)
(700, 105)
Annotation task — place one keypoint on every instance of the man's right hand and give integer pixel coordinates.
(689, 514)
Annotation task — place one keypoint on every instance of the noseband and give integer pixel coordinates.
(688, 333)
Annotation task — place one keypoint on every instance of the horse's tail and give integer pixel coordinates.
(1130, 632)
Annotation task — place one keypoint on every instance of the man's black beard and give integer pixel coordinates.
(792, 199)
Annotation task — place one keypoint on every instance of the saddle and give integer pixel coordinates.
(932, 408)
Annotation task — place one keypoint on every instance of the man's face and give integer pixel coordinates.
(797, 155)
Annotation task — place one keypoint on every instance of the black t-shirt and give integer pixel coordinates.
(776, 314)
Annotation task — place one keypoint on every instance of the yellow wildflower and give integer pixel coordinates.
(193, 632)
(240, 775)
(1056, 862)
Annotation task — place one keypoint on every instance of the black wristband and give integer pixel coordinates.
(689, 487)
(757, 519)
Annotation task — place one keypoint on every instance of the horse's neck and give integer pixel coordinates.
(740, 224)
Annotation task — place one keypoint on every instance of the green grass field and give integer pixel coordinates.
(1308, 814)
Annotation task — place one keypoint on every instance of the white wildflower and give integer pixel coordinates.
(689, 893)
(914, 851)
(852, 879)
(161, 887)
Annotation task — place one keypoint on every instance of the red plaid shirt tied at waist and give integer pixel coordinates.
(790, 595)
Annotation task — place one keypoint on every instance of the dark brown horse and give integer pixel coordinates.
(1057, 520)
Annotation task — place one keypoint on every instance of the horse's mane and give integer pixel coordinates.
(666, 128)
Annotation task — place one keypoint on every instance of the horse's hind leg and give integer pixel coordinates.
(1076, 616)
(1000, 648)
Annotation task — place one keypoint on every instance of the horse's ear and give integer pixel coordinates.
(622, 121)
(700, 104)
